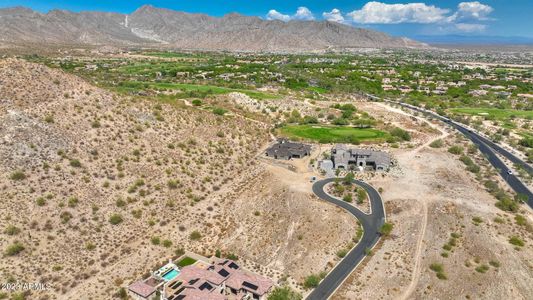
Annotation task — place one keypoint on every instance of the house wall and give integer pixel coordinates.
(135, 296)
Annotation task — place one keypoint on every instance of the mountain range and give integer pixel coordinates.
(150, 26)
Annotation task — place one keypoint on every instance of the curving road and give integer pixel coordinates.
(371, 224)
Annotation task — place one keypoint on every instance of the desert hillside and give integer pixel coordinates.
(91, 180)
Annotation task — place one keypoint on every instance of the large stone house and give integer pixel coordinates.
(345, 158)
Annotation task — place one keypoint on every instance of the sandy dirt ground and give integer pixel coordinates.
(166, 170)
(170, 170)
(431, 197)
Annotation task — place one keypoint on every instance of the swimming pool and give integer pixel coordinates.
(168, 276)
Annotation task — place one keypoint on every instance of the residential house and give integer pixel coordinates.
(222, 279)
(345, 158)
(285, 149)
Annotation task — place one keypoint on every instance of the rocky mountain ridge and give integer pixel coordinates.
(158, 27)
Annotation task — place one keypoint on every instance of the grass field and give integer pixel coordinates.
(333, 134)
(186, 261)
(496, 113)
(209, 89)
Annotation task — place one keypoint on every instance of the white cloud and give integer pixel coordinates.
(382, 13)
(471, 11)
(466, 18)
(275, 15)
(468, 27)
(303, 13)
(334, 15)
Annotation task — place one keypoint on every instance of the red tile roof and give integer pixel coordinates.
(142, 289)
(238, 277)
(189, 273)
(194, 277)
(194, 294)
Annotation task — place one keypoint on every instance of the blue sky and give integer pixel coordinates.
(401, 18)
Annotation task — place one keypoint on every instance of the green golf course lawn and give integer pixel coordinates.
(333, 134)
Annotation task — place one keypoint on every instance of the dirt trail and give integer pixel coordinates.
(415, 275)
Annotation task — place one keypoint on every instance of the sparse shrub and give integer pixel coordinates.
(12, 230)
(515, 240)
(115, 219)
(499, 220)
(167, 243)
(342, 253)
(439, 270)
(17, 176)
(122, 293)
(49, 119)
(457, 150)
(90, 246)
(120, 202)
(19, 296)
(72, 202)
(347, 198)
(386, 229)
(520, 220)
(435, 267)
(172, 184)
(195, 235)
(507, 204)
(155, 240)
(400, 133)
(179, 252)
(14, 249)
(477, 220)
(65, 217)
(75, 163)
(57, 268)
(232, 256)
(219, 111)
(436, 144)
(482, 269)
(284, 293)
(361, 196)
(311, 281)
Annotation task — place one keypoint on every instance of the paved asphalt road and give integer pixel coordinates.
(371, 224)
(489, 149)
(484, 147)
